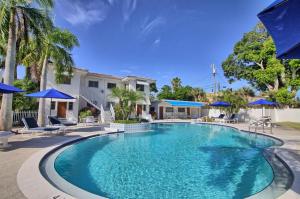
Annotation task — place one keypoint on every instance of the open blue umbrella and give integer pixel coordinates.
(220, 104)
(51, 94)
(263, 103)
(281, 19)
(4, 88)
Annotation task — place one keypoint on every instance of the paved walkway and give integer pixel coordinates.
(23, 147)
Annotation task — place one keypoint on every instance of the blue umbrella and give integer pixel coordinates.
(281, 19)
(220, 104)
(263, 103)
(50, 93)
(4, 88)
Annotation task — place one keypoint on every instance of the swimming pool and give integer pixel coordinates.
(171, 161)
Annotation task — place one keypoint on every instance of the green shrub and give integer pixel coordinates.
(132, 121)
(85, 113)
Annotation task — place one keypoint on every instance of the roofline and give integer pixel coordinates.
(164, 100)
(139, 78)
(114, 77)
(104, 76)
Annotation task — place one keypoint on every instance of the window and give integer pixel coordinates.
(111, 85)
(70, 106)
(169, 109)
(140, 87)
(181, 110)
(65, 79)
(53, 105)
(144, 107)
(93, 84)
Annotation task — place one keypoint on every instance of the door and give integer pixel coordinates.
(139, 109)
(188, 110)
(161, 112)
(61, 109)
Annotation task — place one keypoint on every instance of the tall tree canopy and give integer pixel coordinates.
(18, 20)
(254, 59)
(180, 92)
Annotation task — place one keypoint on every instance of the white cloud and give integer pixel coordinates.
(129, 7)
(150, 25)
(79, 12)
(156, 42)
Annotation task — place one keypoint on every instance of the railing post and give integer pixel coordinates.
(102, 114)
(112, 111)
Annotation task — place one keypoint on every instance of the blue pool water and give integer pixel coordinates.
(172, 161)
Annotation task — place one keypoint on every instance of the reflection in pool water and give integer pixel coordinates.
(172, 161)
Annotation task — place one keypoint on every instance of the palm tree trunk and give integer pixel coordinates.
(43, 84)
(10, 60)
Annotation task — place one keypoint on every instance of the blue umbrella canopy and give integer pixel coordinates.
(4, 88)
(50, 93)
(263, 102)
(281, 19)
(220, 104)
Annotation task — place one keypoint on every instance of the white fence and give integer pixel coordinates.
(277, 115)
(18, 115)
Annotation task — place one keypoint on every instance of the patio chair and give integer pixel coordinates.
(220, 118)
(232, 119)
(4, 135)
(31, 126)
(54, 121)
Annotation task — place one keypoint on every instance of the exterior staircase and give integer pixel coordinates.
(90, 102)
(106, 116)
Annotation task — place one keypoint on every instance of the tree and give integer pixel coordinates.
(20, 101)
(57, 47)
(153, 88)
(254, 59)
(199, 95)
(165, 93)
(176, 83)
(236, 100)
(127, 100)
(19, 16)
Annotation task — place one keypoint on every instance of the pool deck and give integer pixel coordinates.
(30, 146)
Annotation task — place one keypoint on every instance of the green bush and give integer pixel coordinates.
(85, 113)
(132, 121)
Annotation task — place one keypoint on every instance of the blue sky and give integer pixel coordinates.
(160, 39)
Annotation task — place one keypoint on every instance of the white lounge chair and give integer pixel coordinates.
(31, 126)
(4, 135)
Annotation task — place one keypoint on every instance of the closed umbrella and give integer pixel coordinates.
(281, 19)
(50, 94)
(4, 88)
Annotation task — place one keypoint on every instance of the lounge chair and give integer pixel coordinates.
(31, 126)
(232, 119)
(56, 122)
(4, 135)
(220, 118)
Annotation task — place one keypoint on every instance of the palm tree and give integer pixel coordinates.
(176, 83)
(133, 97)
(127, 100)
(19, 16)
(57, 47)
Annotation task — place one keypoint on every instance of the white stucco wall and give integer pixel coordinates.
(277, 115)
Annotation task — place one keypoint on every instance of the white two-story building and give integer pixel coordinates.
(93, 90)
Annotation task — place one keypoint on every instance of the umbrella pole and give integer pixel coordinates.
(50, 105)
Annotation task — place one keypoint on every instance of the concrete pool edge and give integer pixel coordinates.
(34, 185)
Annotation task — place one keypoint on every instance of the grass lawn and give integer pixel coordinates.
(293, 125)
